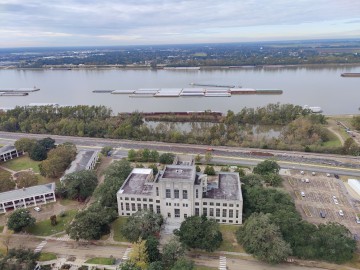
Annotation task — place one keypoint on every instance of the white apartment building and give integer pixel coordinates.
(178, 192)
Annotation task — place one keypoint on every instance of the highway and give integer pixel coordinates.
(329, 163)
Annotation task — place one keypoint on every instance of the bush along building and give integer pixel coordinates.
(179, 191)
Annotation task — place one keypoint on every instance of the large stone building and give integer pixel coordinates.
(178, 192)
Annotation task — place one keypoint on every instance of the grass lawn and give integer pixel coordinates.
(116, 225)
(22, 163)
(46, 256)
(103, 261)
(44, 228)
(4, 174)
(229, 239)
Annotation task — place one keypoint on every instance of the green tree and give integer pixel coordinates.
(153, 156)
(80, 185)
(273, 179)
(38, 152)
(19, 259)
(25, 144)
(158, 265)
(154, 168)
(266, 167)
(208, 157)
(142, 224)
(48, 143)
(138, 255)
(132, 155)
(129, 266)
(263, 239)
(241, 171)
(171, 252)
(198, 158)
(20, 219)
(183, 264)
(152, 249)
(6, 182)
(198, 169)
(209, 170)
(200, 232)
(26, 179)
(106, 149)
(166, 158)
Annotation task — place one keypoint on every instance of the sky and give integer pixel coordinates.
(39, 23)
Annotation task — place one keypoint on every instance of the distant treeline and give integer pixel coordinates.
(301, 129)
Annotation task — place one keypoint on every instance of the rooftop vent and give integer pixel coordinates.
(179, 171)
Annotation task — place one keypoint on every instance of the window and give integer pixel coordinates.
(217, 204)
(185, 215)
(211, 212)
(150, 200)
(133, 207)
(133, 199)
(224, 220)
(237, 205)
(127, 207)
(197, 193)
(205, 211)
(177, 213)
(169, 215)
(224, 204)
(185, 205)
(204, 203)
(224, 213)
(122, 207)
(157, 201)
(120, 198)
(138, 199)
(230, 221)
(158, 209)
(217, 212)
(168, 193)
(139, 206)
(144, 200)
(185, 194)
(145, 206)
(197, 212)
(197, 203)
(231, 213)
(237, 213)
(151, 207)
(231, 205)
(176, 193)
(126, 198)
(157, 191)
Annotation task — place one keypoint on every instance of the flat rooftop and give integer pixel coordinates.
(26, 192)
(138, 183)
(228, 188)
(83, 158)
(7, 148)
(179, 172)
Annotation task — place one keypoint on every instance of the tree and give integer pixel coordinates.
(154, 168)
(183, 264)
(138, 254)
(80, 185)
(172, 251)
(24, 144)
(241, 171)
(91, 224)
(26, 179)
(198, 158)
(129, 266)
(6, 182)
(142, 224)
(48, 143)
(158, 265)
(209, 170)
(106, 149)
(198, 169)
(53, 220)
(152, 249)
(6, 240)
(153, 156)
(19, 259)
(263, 239)
(200, 232)
(350, 147)
(266, 167)
(20, 219)
(208, 157)
(166, 158)
(38, 152)
(132, 155)
(273, 179)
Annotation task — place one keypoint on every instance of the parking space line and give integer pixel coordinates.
(306, 211)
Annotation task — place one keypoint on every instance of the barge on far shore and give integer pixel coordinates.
(350, 74)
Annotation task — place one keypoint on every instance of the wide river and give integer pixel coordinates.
(320, 86)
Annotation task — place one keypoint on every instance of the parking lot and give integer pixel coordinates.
(319, 194)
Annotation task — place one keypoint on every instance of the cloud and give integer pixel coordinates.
(159, 20)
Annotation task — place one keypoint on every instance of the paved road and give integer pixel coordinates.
(233, 155)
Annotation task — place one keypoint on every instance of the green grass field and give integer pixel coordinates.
(4, 174)
(22, 163)
(116, 226)
(103, 261)
(46, 256)
(229, 239)
(44, 228)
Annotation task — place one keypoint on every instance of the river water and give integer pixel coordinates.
(313, 86)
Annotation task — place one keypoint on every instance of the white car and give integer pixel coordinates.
(307, 180)
(313, 173)
(357, 220)
(37, 209)
(336, 201)
(341, 213)
(302, 172)
(302, 194)
(334, 197)
(328, 174)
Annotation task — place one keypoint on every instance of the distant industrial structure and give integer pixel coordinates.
(178, 192)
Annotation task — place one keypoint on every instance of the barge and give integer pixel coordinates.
(350, 74)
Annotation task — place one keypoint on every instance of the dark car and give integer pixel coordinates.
(322, 214)
(336, 176)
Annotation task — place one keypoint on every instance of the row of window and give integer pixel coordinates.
(176, 194)
(137, 199)
(217, 211)
(177, 204)
(139, 207)
(218, 204)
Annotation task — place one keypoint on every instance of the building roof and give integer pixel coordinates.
(82, 161)
(138, 182)
(178, 172)
(6, 149)
(225, 186)
(26, 192)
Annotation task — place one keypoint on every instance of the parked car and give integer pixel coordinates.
(357, 220)
(328, 174)
(302, 173)
(313, 173)
(341, 213)
(322, 214)
(37, 209)
(336, 176)
(307, 180)
(336, 201)
(302, 194)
